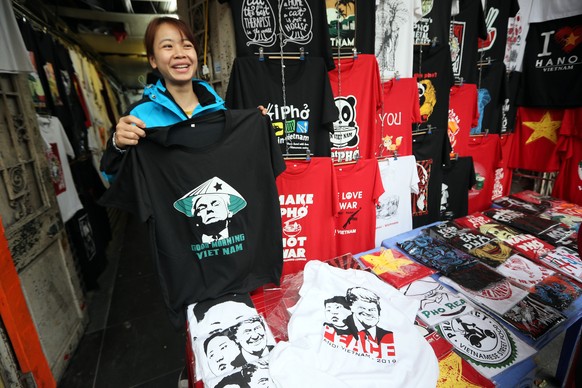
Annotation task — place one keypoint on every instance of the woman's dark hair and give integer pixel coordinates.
(152, 28)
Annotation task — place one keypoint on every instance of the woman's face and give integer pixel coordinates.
(174, 55)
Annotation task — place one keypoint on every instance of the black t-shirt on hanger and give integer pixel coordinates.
(493, 87)
(434, 24)
(458, 178)
(466, 28)
(357, 21)
(302, 23)
(552, 65)
(497, 15)
(306, 118)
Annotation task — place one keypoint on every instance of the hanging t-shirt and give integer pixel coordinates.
(57, 150)
(497, 14)
(395, 22)
(351, 25)
(356, 89)
(281, 25)
(536, 144)
(552, 71)
(394, 268)
(509, 108)
(533, 318)
(466, 27)
(308, 198)
(486, 152)
(437, 303)
(503, 173)
(359, 187)
(400, 109)
(463, 115)
(499, 297)
(568, 184)
(522, 272)
(335, 344)
(566, 261)
(485, 343)
(492, 94)
(301, 116)
(216, 228)
(517, 29)
(433, 26)
(394, 211)
(458, 178)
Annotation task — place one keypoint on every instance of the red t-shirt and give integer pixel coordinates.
(359, 187)
(355, 84)
(400, 109)
(535, 145)
(486, 152)
(463, 115)
(503, 174)
(309, 204)
(568, 185)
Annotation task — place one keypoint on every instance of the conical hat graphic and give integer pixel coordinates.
(211, 186)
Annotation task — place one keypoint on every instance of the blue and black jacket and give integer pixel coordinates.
(157, 108)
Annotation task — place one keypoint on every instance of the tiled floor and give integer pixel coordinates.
(129, 341)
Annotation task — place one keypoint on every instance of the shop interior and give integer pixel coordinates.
(422, 157)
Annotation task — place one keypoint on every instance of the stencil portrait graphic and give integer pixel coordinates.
(212, 205)
(222, 352)
(251, 337)
(219, 314)
(365, 308)
(337, 309)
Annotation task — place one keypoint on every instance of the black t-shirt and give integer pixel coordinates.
(509, 108)
(306, 118)
(213, 210)
(497, 16)
(466, 27)
(303, 24)
(552, 64)
(434, 25)
(492, 94)
(458, 178)
(351, 25)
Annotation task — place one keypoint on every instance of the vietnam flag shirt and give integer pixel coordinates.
(536, 142)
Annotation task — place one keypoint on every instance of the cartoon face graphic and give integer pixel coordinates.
(221, 352)
(251, 336)
(211, 208)
(345, 127)
(336, 313)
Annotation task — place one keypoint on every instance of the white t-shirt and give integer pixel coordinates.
(394, 211)
(437, 303)
(499, 297)
(523, 272)
(395, 36)
(57, 147)
(328, 346)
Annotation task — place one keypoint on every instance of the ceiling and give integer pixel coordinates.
(112, 29)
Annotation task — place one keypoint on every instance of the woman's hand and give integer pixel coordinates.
(128, 131)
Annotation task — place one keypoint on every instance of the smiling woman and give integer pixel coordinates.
(176, 97)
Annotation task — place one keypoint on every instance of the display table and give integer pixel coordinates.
(523, 373)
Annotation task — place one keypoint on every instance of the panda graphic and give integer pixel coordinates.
(345, 128)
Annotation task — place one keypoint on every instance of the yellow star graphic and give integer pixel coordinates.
(571, 39)
(546, 127)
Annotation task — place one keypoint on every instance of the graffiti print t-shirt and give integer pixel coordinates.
(301, 23)
(335, 345)
(216, 226)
